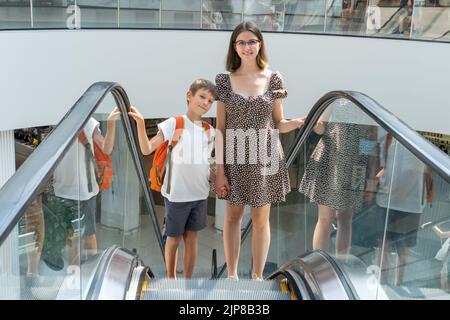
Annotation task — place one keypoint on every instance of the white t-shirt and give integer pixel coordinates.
(70, 176)
(190, 161)
(402, 187)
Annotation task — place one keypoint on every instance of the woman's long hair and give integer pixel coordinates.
(233, 60)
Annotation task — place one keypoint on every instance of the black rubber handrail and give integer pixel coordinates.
(26, 183)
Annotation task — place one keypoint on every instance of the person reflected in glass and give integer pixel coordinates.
(405, 187)
(249, 105)
(70, 202)
(335, 177)
(404, 26)
(34, 225)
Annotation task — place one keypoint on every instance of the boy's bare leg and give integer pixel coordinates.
(402, 261)
(74, 248)
(90, 244)
(385, 254)
(171, 255)
(190, 252)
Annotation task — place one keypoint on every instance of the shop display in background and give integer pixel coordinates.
(440, 140)
(31, 136)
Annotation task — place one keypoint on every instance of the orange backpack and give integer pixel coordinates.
(163, 155)
(102, 163)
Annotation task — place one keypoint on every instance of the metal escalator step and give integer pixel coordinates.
(199, 294)
(207, 284)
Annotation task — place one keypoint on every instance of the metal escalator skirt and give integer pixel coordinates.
(327, 283)
(116, 278)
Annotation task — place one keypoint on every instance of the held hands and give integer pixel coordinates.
(222, 186)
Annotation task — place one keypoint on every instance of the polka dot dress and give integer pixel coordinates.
(257, 174)
(336, 172)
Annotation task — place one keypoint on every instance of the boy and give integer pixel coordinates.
(186, 202)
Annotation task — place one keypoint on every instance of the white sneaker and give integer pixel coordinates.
(256, 278)
(233, 278)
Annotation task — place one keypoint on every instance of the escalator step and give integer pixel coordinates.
(207, 284)
(199, 294)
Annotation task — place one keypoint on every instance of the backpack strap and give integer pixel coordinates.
(207, 128)
(89, 157)
(179, 126)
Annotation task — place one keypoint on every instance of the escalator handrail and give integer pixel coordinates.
(423, 149)
(26, 183)
(341, 274)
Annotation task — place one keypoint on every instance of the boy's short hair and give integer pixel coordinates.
(203, 84)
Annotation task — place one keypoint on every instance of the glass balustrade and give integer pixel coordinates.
(360, 195)
(74, 217)
(408, 19)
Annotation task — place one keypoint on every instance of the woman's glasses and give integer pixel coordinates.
(251, 43)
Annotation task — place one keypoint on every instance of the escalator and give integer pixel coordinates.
(128, 262)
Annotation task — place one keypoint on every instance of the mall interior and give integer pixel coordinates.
(374, 71)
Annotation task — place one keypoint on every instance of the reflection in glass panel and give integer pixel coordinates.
(346, 16)
(430, 20)
(51, 230)
(15, 15)
(305, 16)
(98, 13)
(181, 14)
(218, 14)
(333, 182)
(414, 207)
(54, 14)
(268, 15)
(123, 217)
(139, 14)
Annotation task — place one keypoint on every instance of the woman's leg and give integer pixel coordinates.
(344, 233)
(321, 237)
(232, 237)
(260, 239)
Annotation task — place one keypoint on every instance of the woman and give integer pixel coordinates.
(252, 173)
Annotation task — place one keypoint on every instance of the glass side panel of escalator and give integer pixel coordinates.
(361, 196)
(57, 245)
(124, 217)
(400, 245)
